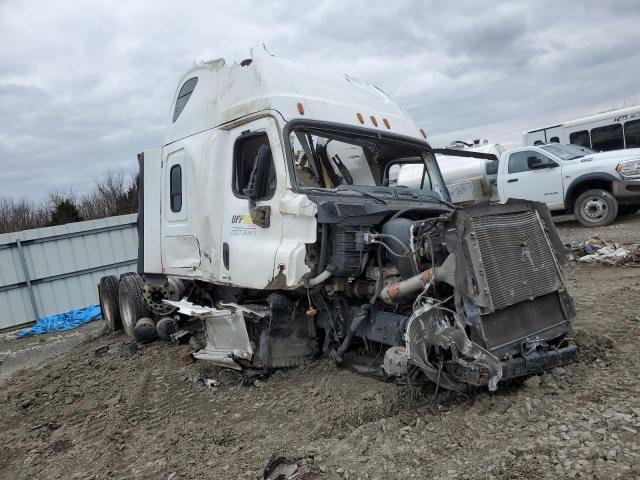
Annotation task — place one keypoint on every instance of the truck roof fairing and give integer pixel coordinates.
(225, 93)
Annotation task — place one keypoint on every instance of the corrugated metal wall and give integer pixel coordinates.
(63, 266)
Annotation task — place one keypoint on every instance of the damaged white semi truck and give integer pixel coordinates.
(267, 215)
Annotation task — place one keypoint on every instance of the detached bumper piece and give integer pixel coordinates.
(227, 337)
(537, 362)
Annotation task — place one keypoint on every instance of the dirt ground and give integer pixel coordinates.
(142, 415)
(30, 351)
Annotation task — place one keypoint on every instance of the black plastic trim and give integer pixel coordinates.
(140, 221)
(583, 178)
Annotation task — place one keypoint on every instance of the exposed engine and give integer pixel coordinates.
(463, 296)
(469, 296)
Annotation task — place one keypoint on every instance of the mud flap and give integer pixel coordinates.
(227, 337)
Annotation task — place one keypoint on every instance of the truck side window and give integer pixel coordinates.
(175, 188)
(606, 138)
(632, 134)
(183, 96)
(244, 154)
(519, 161)
(580, 138)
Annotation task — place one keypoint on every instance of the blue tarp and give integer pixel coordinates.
(63, 321)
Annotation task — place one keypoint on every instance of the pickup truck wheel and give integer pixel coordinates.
(628, 209)
(595, 208)
(133, 306)
(108, 295)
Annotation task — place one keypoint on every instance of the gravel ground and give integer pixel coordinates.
(143, 415)
(17, 354)
(626, 229)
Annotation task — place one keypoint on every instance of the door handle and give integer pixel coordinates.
(225, 255)
(511, 180)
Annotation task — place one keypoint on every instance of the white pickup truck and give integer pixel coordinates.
(596, 187)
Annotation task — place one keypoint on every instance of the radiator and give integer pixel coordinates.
(517, 260)
(529, 319)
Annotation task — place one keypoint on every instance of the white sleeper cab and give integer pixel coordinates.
(272, 216)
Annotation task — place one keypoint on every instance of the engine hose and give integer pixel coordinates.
(355, 325)
(379, 280)
(317, 280)
(395, 291)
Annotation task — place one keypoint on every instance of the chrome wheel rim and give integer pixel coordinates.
(594, 209)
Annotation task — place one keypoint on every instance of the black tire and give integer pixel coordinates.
(595, 208)
(109, 302)
(133, 306)
(628, 209)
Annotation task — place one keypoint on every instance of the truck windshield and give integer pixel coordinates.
(337, 160)
(564, 152)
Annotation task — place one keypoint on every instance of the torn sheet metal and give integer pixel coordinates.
(227, 337)
(430, 326)
(252, 311)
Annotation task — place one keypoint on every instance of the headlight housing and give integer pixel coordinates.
(630, 169)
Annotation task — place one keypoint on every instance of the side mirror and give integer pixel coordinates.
(534, 163)
(257, 187)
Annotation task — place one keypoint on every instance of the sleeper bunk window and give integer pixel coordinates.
(175, 188)
(183, 96)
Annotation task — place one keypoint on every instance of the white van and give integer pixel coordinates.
(612, 130)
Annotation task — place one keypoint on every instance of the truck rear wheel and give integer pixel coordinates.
(108, 295)
(595, 208)
(133, 307)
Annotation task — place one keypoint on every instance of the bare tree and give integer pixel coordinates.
(22, 214)
(115, 193)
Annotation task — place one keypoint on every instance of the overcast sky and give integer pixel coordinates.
(85, 86)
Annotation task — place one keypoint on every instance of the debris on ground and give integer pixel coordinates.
(130, 348)
(103, 351)
(187, 358)
(597, 250)
(608, 256)
(211, 382)
(283, 468)
(181, 336)
(63, 321)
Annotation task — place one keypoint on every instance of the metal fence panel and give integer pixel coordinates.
(51, 270)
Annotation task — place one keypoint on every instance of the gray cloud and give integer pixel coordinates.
(85, 87)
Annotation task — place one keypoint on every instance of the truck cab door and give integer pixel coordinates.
(252, 227)
(532, 175)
